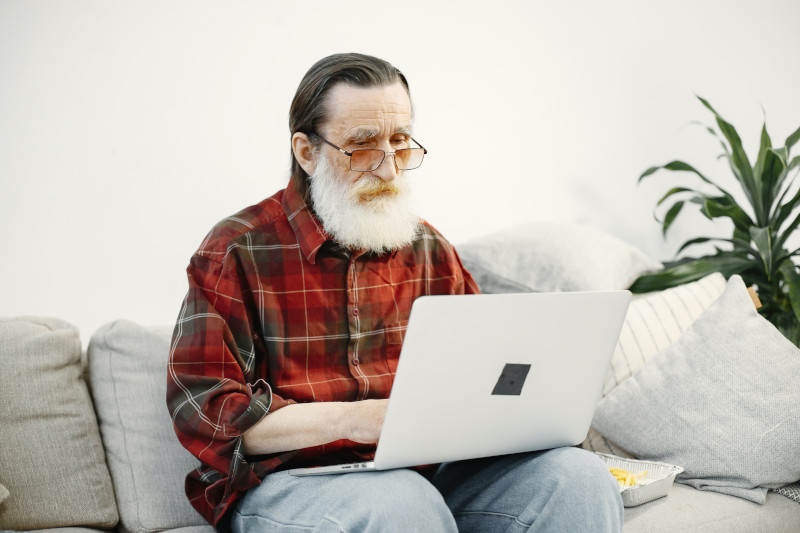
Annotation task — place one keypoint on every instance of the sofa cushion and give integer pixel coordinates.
(128, 370)
(51, 456)
(721, 402)
(553, 256)
(62, 530)
(653, 322)
(689, 510)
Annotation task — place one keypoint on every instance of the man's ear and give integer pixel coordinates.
(304, 152)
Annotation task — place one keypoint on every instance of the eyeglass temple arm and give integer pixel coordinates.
(425, 150)
(326, 141)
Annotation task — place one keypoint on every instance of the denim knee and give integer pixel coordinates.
(390, 501)
(399, 500)
(564, 489)
(580, 482)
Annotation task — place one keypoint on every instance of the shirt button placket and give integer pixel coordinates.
(353, 317)
(355, 330)
(355, 314)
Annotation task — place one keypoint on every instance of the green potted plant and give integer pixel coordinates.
(757, 250)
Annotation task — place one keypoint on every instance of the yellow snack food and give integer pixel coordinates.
(625, 478)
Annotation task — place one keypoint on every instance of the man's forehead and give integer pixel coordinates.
(363, 112)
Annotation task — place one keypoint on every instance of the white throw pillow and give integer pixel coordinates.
(553, 256)
(721, 402)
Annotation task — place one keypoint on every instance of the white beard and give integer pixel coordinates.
(364, 215)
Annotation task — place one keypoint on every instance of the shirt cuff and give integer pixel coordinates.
(262, 401)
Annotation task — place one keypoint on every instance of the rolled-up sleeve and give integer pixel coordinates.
(212, 394)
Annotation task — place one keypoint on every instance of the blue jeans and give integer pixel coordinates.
(565, 489)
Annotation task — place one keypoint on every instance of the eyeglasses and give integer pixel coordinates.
(370, 159)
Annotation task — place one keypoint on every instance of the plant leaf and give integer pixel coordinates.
(786, 210)
(792, 226)
(783, 210)
(791, 274)
(740, 164)
(772, 177)
(786, 184)
(762, 238)
(670, 216)
(795, 162)
(691, 269)
(743, 235)
(676, 190)
(792, 139)
(781, 256)
(725, 206)
(676, 166)
(648, 172)
(739, 157)
(766, 143)
(783, 153)
(692, 242)
(680, 166)
(739, 244)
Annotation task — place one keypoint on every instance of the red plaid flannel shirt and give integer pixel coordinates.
(277, 313)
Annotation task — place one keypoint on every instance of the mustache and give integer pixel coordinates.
(368, 188)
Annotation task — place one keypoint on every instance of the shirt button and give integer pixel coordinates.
(355, 311)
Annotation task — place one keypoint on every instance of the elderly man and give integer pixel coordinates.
(288, 340)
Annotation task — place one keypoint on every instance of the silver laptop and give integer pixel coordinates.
(495, 374)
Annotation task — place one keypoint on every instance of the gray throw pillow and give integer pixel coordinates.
(51, 455)
(721, 402)
(128, 369)
(653, 322)
(552, 256)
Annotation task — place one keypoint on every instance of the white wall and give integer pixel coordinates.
(127, 129)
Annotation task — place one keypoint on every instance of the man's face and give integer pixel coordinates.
(365, 210)
(361, 118)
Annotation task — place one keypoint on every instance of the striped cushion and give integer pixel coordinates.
(791, 491)
(654, 321)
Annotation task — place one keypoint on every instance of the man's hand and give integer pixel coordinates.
(304, 425)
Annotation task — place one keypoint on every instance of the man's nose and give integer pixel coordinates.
(387, 170)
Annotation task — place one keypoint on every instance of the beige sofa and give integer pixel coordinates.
(86, 441)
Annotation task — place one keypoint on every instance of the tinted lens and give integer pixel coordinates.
(366, 160)
(409, 158)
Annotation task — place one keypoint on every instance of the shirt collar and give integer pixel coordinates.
(307, 229)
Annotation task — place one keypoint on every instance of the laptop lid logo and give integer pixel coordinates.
(511, 380)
